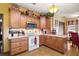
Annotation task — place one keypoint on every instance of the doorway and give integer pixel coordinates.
(1, 33)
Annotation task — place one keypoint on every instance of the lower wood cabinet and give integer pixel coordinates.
(42, 40)
(18, 45)
(48, 41)
(56, 43)
(53, 42)
(61, 44)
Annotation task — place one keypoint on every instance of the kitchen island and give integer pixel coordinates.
(56, 42)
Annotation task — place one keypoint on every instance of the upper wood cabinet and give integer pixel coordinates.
(42, 22)
(72, 22)
(23, 21)
(49, 24)
(19, 17)
(14, 18)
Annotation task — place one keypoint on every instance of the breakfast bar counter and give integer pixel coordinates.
(62, 36)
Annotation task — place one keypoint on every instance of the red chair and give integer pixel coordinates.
(75, 38)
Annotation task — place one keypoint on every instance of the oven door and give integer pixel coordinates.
(33, 42)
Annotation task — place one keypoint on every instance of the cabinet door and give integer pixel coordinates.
(48, 25)
(14, 18)
(60, 44)
(53, 42)
(24, 42)
(42, 39)
(23, 21)
(18, 45)
(42, 22)
(14, 45)
(48, 41)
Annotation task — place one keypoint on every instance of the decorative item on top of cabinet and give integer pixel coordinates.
(26, 13)
(18, 45)
(14, 7)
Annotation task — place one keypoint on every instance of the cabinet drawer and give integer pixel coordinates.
(14, 40)
(23, 48)
(22, 43)
(15, 51)
(15, 44)
(24, 39)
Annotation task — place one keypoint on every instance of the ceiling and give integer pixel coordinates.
(38, 7)
(65, 9)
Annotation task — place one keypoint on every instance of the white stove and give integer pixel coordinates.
(33, 39)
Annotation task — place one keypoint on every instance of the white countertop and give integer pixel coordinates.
(16, 37)
(62, 36)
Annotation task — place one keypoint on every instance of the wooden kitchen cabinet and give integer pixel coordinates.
(14, 17)
(56, 43)
(72, 22)
(61, 44)
(18, 45)
(53, 42)
(48, 41)
(49, 24)
(42, 40)
(42, 22)
(23, 21)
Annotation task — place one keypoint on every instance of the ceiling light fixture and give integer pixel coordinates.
(53, 9)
